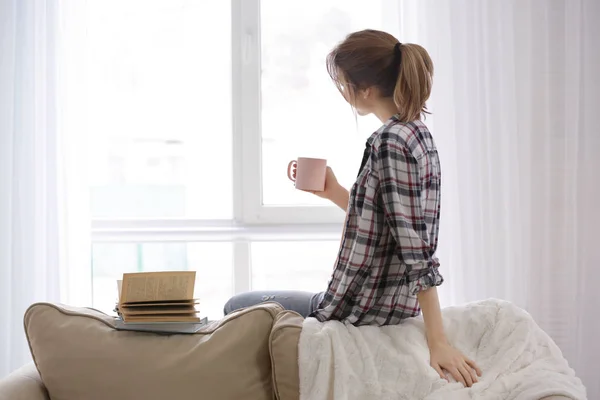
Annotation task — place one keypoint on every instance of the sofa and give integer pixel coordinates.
(78, 355)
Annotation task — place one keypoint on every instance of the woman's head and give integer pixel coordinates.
(371, 67)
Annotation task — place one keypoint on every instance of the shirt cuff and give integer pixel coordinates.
(429, 278)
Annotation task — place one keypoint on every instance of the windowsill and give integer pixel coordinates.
(186, 230)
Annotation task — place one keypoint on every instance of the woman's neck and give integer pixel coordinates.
(385, 110)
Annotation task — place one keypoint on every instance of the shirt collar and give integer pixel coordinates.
(391, 120)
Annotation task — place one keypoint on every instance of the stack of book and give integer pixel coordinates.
(158, 302)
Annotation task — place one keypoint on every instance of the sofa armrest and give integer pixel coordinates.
(283, 345)
(23, 384)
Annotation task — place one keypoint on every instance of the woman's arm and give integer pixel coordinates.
(430, 306)
(400, 183)
(340, 197)
(443, 356)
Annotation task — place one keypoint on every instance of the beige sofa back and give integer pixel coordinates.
(80, 355)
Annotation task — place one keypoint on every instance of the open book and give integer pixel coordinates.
(147, 297)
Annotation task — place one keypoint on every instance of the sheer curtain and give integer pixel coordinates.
(43, 242)
(515, 102)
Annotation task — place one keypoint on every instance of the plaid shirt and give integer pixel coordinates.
(391, 232)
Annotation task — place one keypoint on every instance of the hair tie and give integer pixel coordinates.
(397, 54)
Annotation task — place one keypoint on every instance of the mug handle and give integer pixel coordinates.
(289, 170)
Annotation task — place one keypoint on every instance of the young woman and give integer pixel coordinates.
(386, 268)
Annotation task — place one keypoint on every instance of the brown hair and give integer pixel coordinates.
(373, 58)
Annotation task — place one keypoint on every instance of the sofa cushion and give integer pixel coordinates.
(283, 344)
(80, 355)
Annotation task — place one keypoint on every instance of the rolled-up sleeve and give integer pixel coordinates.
(402, 186)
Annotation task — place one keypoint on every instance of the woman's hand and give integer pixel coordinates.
(331, 184)
(446, 358)
(333, 190)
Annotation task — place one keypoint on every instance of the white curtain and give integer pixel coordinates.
(515, 102)
(43, 242)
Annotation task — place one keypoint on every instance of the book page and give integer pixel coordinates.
(157, 286)
(159, 312)
(151, 304)
(119, 286)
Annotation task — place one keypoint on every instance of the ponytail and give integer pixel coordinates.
(413, 85)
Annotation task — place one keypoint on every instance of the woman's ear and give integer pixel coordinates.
(365, 94)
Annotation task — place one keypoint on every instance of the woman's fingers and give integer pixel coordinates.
(473, 365)
(440, 372)
(466, 374)
(472, 372)
(458, 376)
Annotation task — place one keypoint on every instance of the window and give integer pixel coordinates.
(159, 107)
(194, 109)
(293, 265)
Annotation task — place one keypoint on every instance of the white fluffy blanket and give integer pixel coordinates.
(518, 359)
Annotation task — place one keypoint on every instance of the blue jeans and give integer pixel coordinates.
(304, 303)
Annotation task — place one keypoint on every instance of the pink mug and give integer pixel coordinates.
(310, 173)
